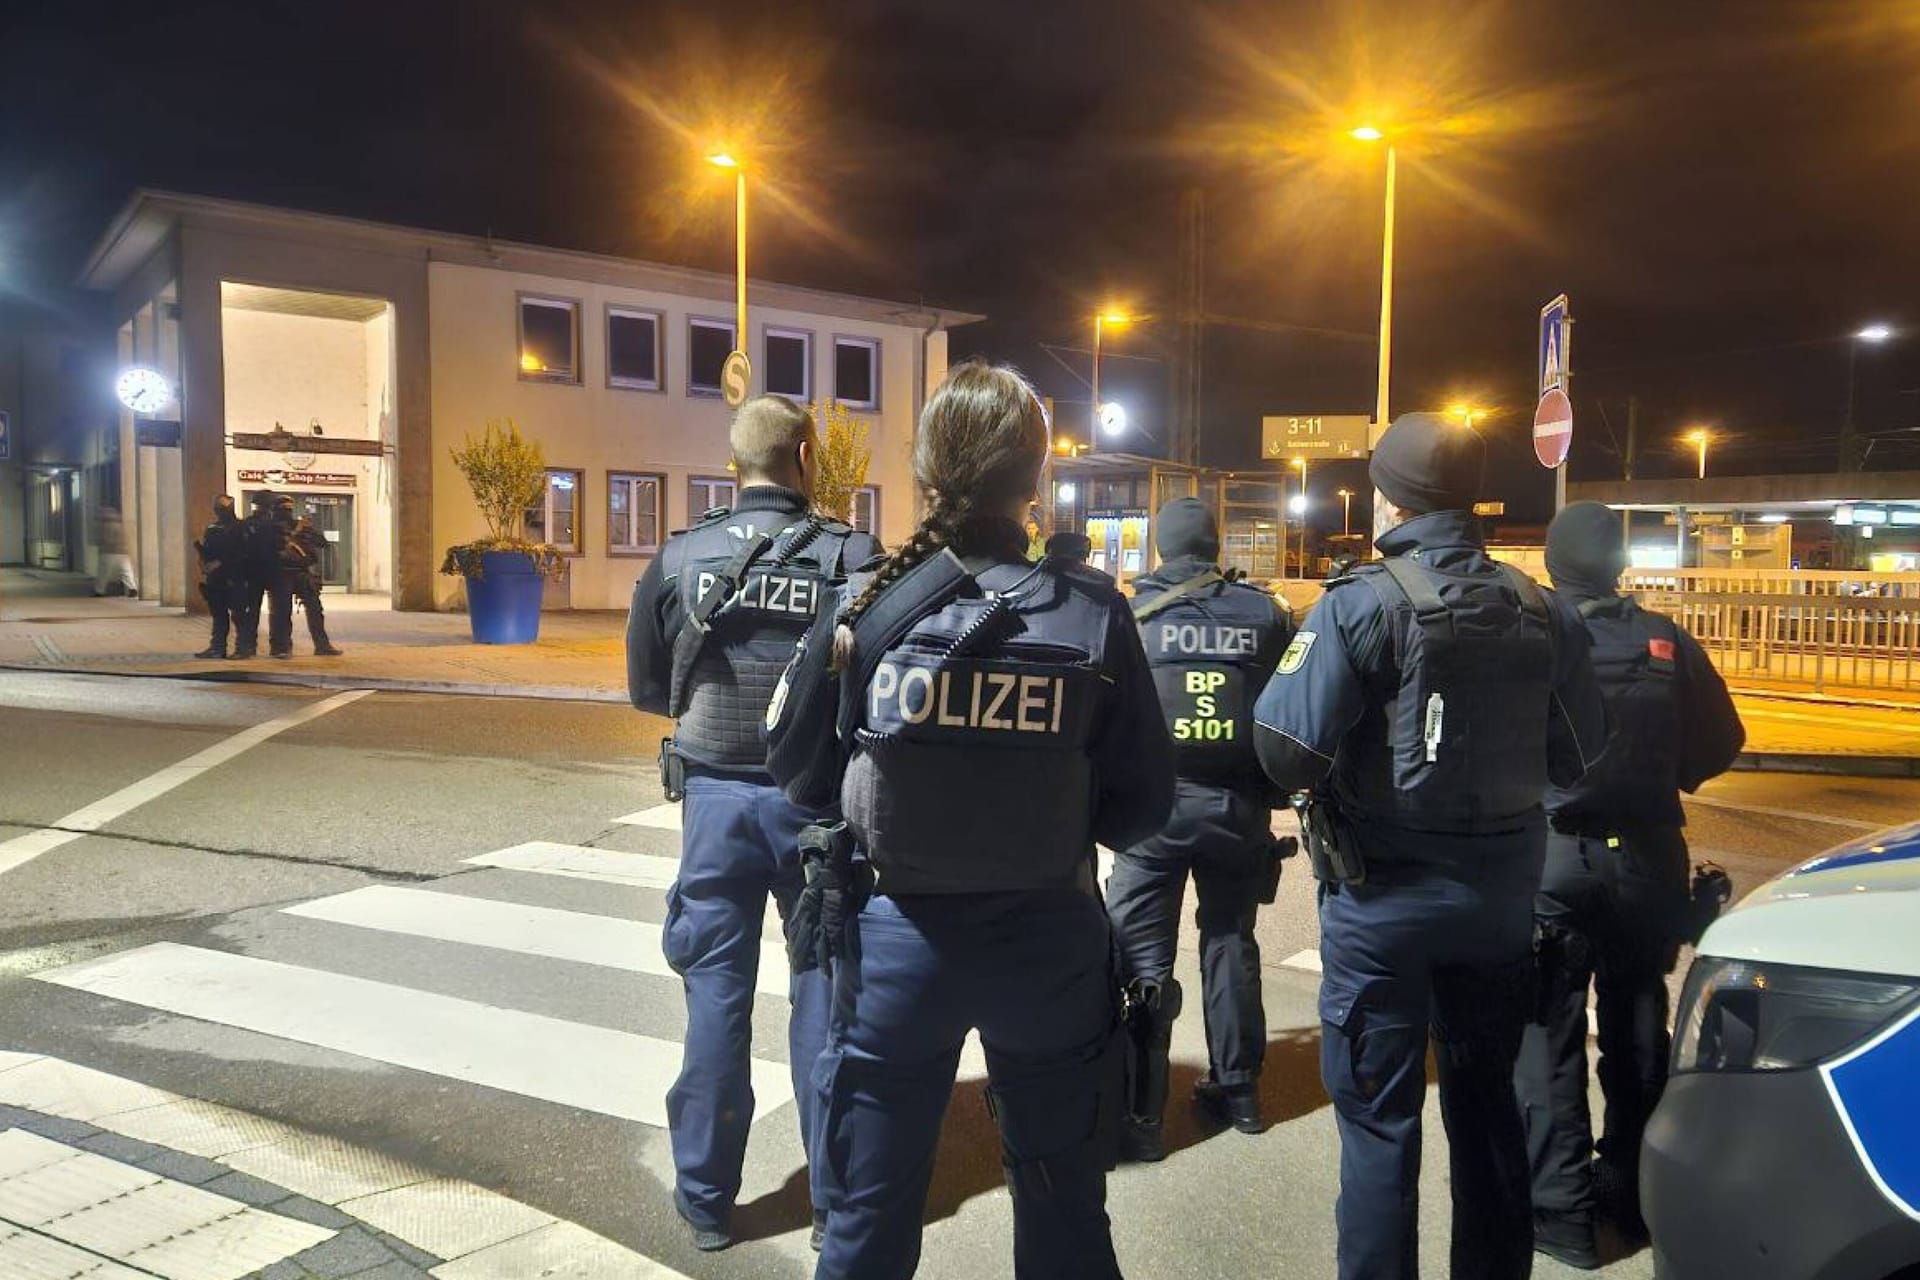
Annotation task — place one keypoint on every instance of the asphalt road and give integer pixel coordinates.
(275, 930)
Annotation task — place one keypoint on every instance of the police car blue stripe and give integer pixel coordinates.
(1872, 1089)
(1902, 844)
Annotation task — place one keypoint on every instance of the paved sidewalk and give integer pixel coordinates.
(50, 622)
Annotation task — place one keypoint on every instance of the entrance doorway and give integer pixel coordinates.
(332, 515)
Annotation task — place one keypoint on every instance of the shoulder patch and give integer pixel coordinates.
(1296, 654)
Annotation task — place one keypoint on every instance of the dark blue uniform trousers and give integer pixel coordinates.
(1033, 972)
(1446, 950)
(1613, 913)
(1221, 838)
(739, 844)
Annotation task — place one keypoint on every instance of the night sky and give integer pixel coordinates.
(1726, 188)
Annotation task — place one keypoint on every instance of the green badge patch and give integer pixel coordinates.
(1296, 653)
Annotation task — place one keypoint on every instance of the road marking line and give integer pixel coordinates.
(546, 857)
(661, 817)
(1796, 815)
(90, 818)
(613, 1073)
(629, 945)
(160, 1225)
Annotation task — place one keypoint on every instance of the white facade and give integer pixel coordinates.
(266, 318)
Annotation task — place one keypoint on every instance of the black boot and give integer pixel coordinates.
(1237, 1105)
(1141, 1141)
(211, 652)
(1568, 1238)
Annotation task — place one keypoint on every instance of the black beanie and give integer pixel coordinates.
(1186, 527)
(1585, 554)
(1428, 463)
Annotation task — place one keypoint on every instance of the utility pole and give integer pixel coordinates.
(1633, 433)
(1190, 332)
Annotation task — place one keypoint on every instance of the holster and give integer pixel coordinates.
(673, 772)
(1712, 889)
(1330, 847)
(1277, 852)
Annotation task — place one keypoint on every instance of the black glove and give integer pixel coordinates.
(836, 886)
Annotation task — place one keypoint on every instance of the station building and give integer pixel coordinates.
(379, 348)
(1112, 498)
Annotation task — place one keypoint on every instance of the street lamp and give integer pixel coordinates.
(1299, 508)
(1369, 134)
(1346, 512)
(1101, 319)
(1467, 412)
(1874, 334)
(1699, 437)
(722, 160)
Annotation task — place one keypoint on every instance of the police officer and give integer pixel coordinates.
(1070, 547)
(1212, 645)
(1428, 701)
(1614, 899)
(990, 719)
(220, 549)
(714, 621)
(260, 539)
(302, 558)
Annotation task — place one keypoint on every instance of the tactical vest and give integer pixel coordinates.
(1636, 779)
(1202, 637)
(1462, 745)
(719, 697)
(967, 727)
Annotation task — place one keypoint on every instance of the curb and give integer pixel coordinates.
(1823, 699)
(317, 680)
(1863, 766)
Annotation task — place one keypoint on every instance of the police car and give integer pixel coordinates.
(1787, 1144)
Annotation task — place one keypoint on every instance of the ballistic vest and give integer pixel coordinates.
(1210, 644)
(1462, 745)
(1636, 780)
(747, 630)
(967, 726)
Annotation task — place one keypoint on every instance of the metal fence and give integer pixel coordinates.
(1807, 628)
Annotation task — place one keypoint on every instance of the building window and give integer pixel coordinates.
(788, 367)
(856, 372)
(633, 514)
(709, 343)
(704, 493)
(557, 518)
(866, 510)
(549, 339)
(633, 349)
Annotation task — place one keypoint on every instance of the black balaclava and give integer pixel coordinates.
(1585, 551)
(1426, 463)
(1185, 528)
(1067, 545)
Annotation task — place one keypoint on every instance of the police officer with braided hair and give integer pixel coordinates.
(1212, 645)
(1427, 704)
(713, 623)
(1613, 906)
(983, 721)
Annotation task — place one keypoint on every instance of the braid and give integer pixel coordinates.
(926, 540)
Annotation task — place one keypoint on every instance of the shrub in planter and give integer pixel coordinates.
(506, 575)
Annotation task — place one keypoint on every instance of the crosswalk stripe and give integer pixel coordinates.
(661, 817)
(630, 945)
(613, 1073)
(547, 857)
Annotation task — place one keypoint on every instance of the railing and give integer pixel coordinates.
(1809, 628)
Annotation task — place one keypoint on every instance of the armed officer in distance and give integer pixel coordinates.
(713, 624)
(1212, 645)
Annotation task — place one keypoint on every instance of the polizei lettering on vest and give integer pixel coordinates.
(1202, 641)
(770, 592)
(966, 698)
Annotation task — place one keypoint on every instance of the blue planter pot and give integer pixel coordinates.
(503, 606)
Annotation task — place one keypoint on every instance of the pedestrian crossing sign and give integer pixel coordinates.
(1556, 345)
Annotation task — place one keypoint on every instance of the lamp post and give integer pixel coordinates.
(722, 160)
(1699, 437)
(1101, 319)
(1346, 513)
(1875, 334)
(1368, 133)
(1300, 509)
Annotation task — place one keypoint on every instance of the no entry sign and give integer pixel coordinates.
(1553, 428)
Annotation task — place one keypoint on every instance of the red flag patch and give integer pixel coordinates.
(1660, 650)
